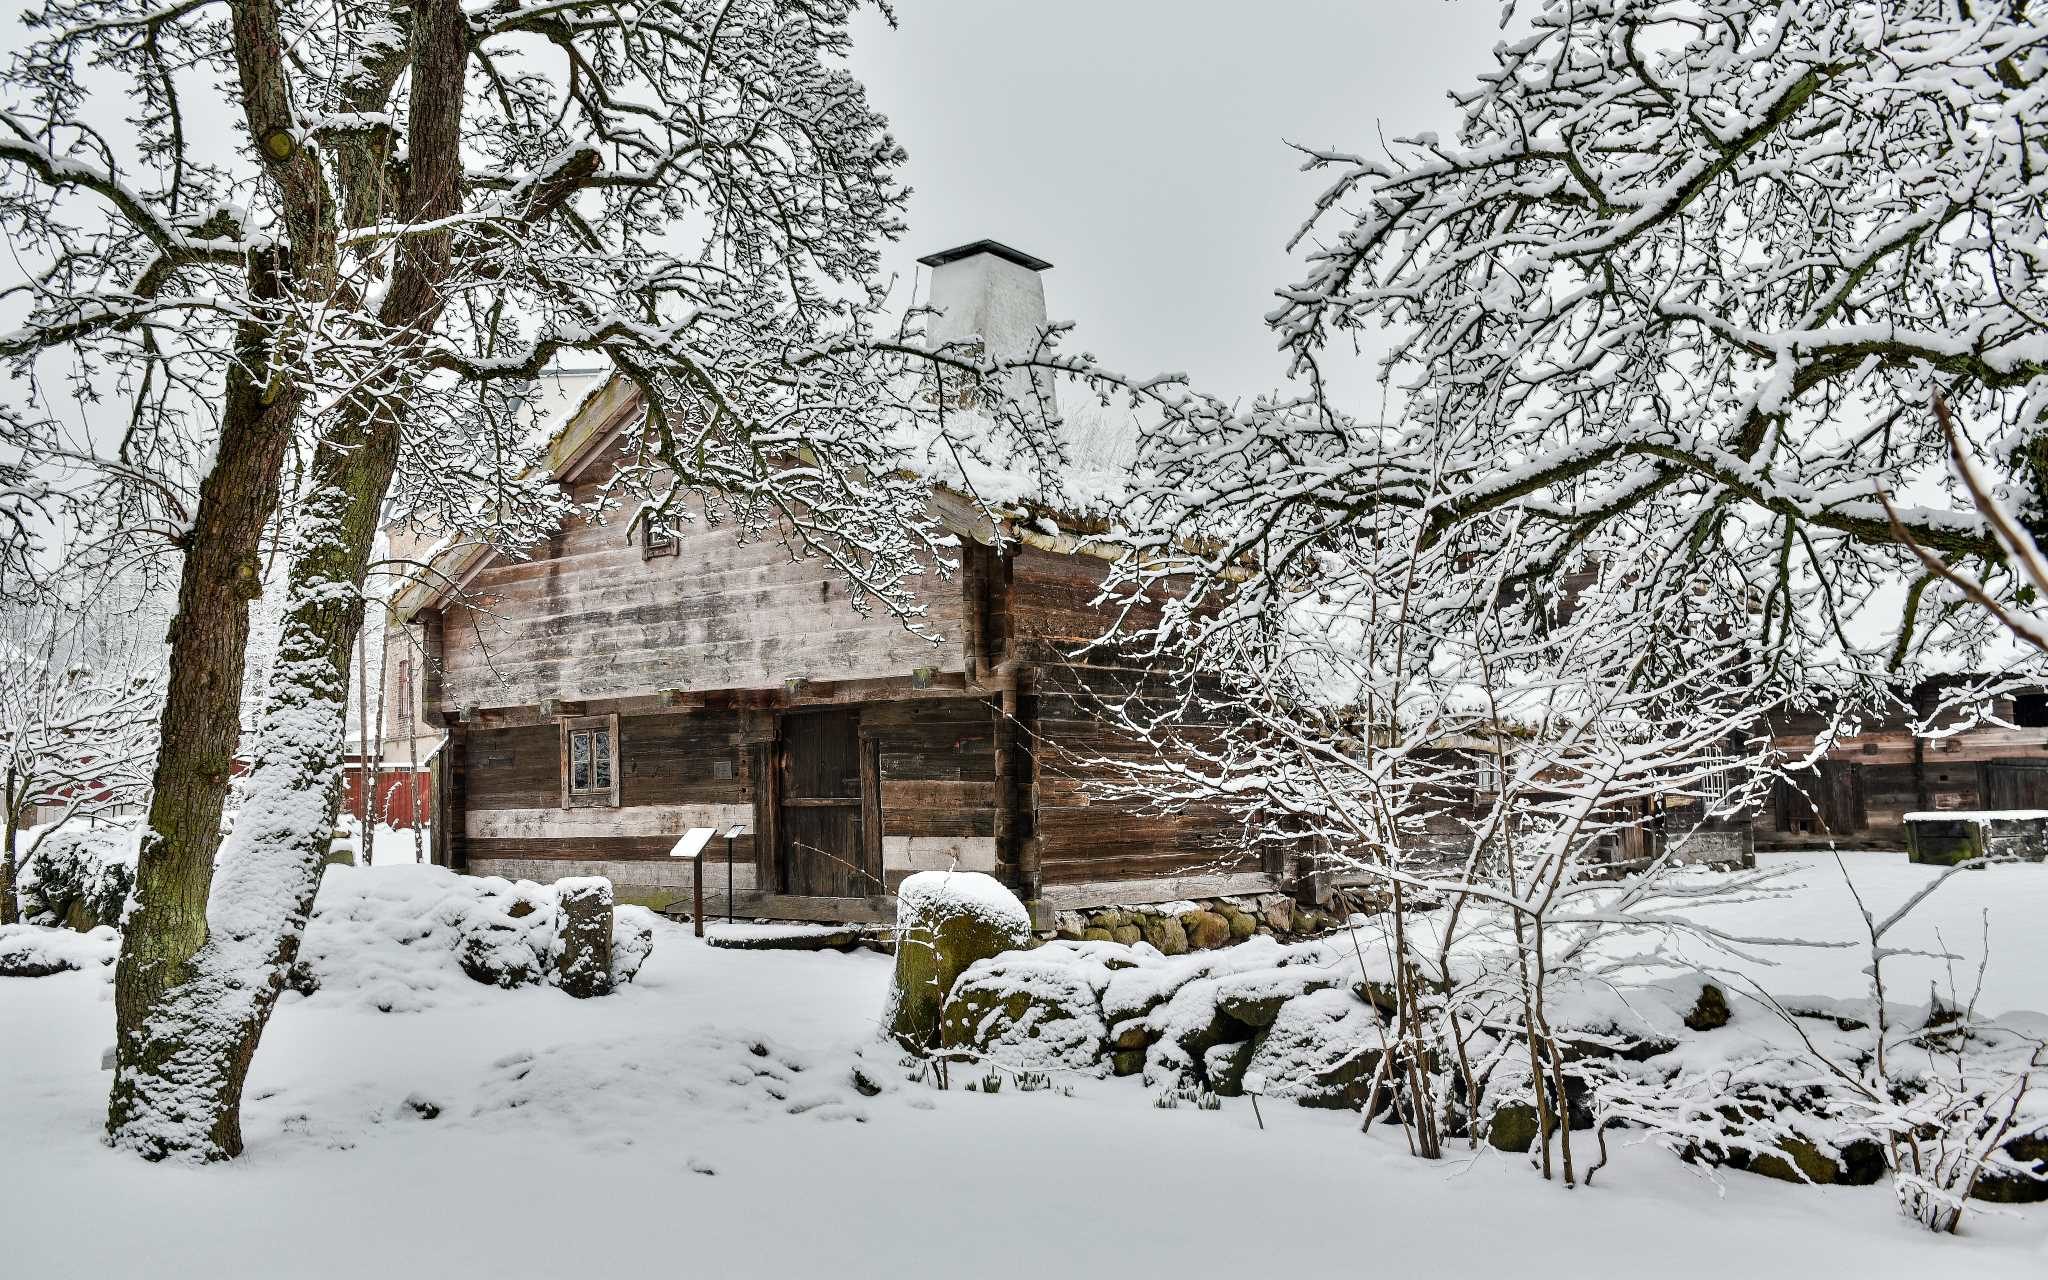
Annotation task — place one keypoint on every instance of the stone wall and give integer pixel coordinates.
(1202, 924)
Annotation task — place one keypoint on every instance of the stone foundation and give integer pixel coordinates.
(1200, 924)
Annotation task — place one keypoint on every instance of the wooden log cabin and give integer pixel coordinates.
(1859, 793)
(628, 683)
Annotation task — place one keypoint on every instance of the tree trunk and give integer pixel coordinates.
(201, 722)
(187, 1062)
(10, 910)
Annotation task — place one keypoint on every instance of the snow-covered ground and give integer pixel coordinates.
(703, 1121)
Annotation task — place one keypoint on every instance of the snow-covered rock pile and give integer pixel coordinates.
(80, 877)
(1720, 1086)
(37, 951)
(399, 938)
(1204, 1017)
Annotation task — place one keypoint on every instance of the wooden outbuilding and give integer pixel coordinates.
(1859, 792)
(628, 682)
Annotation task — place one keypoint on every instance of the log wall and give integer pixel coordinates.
(588, 618)
(1087, 826)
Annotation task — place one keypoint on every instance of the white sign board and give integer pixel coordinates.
(693, 842)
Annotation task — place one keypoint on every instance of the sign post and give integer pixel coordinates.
(691, 846)
(732, 833)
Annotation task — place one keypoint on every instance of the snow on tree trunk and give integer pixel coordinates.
(583, 939)
(182, 1058)
(181, 1067)
(945, 921)
(202, 703)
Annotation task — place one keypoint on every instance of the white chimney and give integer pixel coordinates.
(989, 290)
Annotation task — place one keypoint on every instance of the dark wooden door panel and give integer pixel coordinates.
(821, 827)
(2016, 786)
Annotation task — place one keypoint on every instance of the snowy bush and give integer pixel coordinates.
(37, 951)
(80, 876)
(400, 938)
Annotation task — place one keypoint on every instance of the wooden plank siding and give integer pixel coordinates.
(590, 619)
(675, 771)
(1083, 833)
(1866, 784)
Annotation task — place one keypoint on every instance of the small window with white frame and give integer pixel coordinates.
(590, 761)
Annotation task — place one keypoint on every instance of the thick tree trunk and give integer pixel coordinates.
(193, 1053)
(186, 1055)
(201, 722)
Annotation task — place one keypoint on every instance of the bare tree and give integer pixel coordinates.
(78, 706)
(1705, 270)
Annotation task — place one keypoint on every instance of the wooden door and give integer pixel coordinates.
(2016, 786)
(821, 834)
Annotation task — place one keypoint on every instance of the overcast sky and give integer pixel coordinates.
(1141, 146)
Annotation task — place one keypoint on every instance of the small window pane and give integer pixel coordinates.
(601, 758)
(579, 761)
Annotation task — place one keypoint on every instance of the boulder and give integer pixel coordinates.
(1224, 1067)
(37, 951)
(1167, 934)
(945, 922)
(1279, 913)
(1127, 934)
(1514, 1126)
(1255, 999)
(1130, 1035)
(1320, 1051)
(1097, 935)
(632, 942)
(2030, 1152)
(1028, 1013)
(1187, 1026)
(583, 936)
(78, 878)
(1206, 930)
(1710, 1011)
(1856, 1164)
(1242, 926)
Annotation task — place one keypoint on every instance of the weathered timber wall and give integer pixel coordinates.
(675, 772)
(936, 766)
(934, 783)
(1086, 824)
(589, 618)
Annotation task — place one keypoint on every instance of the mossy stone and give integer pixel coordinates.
(1710, 1011)
(1514, 1127)
(1128, 934)
(1167, 934)
(937, 938)
(1799, 1157)
(1206, 930)
(1225, 1066)
(1130, 1035)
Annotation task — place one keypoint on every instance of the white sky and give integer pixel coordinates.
(1141, 147)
